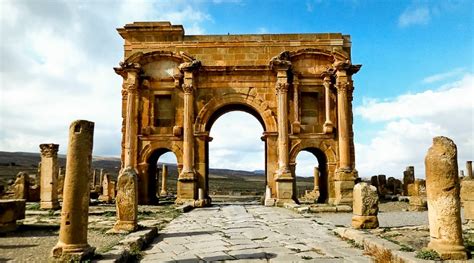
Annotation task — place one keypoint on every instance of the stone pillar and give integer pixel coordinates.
(101, 176)
(316, 179)
(105, 196)
(328, 126)
(94, 178)
(126, 202)
(283, 177)
(365, 206)
(164, 176)
(469, 169)
(418, 196)
(444, 213)
(186, 179)
(382, 184)
(467, 195)
(21, 186)
(49, 176)
(408, 178)
(345, 173)
(72, 244)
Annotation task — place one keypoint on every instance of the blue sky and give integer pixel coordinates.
(56, 60)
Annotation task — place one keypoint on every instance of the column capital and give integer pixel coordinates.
(49, 149)
(125, 67)
(282, 86)
(328, 74)
(188, 88)
(344, 87)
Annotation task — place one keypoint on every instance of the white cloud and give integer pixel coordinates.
(56, 66)
(443, 76)
(411, 121)
(414, 16)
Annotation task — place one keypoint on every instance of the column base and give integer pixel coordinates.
(365, 222)
(71, 253)
(49, 205)
(344, 185)
(448, 251)
(123, 227)
(328, 127)
(186, 188)
(203, 202)
(163, 194)
(284, 187)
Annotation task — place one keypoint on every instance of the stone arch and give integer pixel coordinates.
(144, 58)
(149, 149)
(235, 101)
(328, 55)
(326, 157)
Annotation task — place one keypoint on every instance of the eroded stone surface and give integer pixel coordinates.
(72, 244)
(442, 186)
(10, 211)
(249, 233)
(365, 206)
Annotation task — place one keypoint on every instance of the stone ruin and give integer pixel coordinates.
(365, 206)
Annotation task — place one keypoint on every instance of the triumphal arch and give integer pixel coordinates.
(299, 87)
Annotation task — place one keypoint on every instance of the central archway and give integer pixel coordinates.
(236, 157)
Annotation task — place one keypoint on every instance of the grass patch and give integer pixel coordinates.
(428, 254)
(306, 257)
(379, 256)
(135, 253)
(406, 248)
(109, 213)
(354, 244)
(34, 206)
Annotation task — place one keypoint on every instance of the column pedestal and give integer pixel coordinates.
(343, 186)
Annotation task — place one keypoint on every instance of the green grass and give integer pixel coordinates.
(428, 255)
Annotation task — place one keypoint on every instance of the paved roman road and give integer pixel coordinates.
(249, 233)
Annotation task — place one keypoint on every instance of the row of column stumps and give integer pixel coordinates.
(443, 194)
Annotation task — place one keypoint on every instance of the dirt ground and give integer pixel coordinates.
(39, 232)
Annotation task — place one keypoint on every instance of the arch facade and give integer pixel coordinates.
(298, 86)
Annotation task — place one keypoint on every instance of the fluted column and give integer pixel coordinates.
(187, 176)
(284, 180)
(328, 126)
(188, 133)
(346, 172)
(131, 125)
(283, 149)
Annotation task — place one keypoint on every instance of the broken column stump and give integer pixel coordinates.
(365, 206)
(444, 211)
(126, 202)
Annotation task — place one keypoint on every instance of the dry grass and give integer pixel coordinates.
(379, 255)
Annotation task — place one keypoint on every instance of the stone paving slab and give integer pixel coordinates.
(244, 233)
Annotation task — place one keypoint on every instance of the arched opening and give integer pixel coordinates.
(155, 169)
(311, 176)
(236, 154)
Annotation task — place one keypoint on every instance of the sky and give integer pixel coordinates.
(416, 82)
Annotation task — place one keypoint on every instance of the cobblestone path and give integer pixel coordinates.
(249, 233)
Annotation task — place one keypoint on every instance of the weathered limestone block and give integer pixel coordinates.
(105, 196)
(444, 213)
(21, 186)
(408, 178)
(10, 211)
(411, 189)
(374, 180)
(126, 202)
(382, 179)
(72, 244)
(49, 176)
(113, 189)
(365, 206)
(418, 197)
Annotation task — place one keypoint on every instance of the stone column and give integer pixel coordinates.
(365, 206)
(94, 178)
(126, 202)
(418, 196)
(328, 126)
(72, 244)
(105, 196)
(469, 169)
(49, 176)
(345, 173)
(316, 179)
(444, 212)
(164, 177)
(408, 178)
(186, 179)
(101, 176)
(21, 186)
(283, 177)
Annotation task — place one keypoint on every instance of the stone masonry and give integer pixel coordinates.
(299, 86)
(365, 206)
